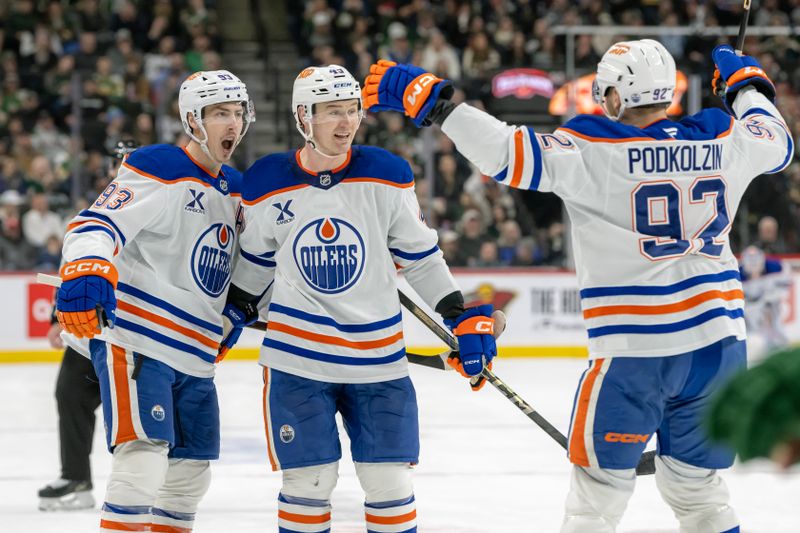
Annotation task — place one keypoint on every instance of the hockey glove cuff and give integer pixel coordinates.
(739, 72)
(234, 320)
(85, 302)
(475, 331)
(404, 88)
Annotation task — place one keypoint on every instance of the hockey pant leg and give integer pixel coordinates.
(304, 503)
(698, 497)
(186, 483)
(389, 505)
(597, 499)
(138, 469)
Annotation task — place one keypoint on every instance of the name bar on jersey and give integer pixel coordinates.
(675, 159)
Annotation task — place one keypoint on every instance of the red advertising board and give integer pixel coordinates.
(40, 306)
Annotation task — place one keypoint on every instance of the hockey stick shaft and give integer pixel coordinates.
(743, 26)
(646, 463)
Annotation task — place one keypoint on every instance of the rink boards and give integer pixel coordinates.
(542, 306)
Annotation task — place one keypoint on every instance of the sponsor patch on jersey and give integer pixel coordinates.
(287, 433)
(211, 259)
(196, 204)
(285, 216)
(329, 252)
(158, 413)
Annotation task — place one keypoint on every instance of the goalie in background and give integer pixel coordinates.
(766, 283)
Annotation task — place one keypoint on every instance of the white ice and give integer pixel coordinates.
(485, 467)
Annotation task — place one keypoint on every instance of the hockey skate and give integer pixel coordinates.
(66, 495)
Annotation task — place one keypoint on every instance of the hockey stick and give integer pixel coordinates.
(436, 361)
(739, 41)
(646, 464)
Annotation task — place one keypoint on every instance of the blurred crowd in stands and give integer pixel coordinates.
(468, 42)
(88, 70)
(117, 65)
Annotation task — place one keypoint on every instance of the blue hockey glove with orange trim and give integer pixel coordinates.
(474, 329)
(739, 72)
(405, 88)
(234, 320)
(86, 302)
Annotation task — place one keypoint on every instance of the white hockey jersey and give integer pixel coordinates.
(169, 227)
(325, 248)
(650, 210)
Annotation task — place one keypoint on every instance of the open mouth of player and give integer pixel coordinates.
(342, 136)
(227, 144)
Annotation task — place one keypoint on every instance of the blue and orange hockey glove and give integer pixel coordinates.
(474, 329)
(739, 72)
(234, 320)
(405, 88)
(86, 302)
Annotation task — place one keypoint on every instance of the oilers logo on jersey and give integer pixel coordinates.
(329, 252)
(211, 259)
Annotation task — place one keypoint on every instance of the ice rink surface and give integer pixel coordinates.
(485, 467)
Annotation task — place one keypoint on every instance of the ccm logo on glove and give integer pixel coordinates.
(88, 267)
(476, 324)
(416, 88)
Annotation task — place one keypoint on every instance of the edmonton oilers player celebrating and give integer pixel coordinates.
(325, 230)
(651, 203)
(149, 262)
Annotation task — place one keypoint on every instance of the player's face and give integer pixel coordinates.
(611, 102)
(223, 124)
(335, 124)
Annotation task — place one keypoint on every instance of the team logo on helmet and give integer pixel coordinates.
(211, 259)
(306, 73)
(329, 252)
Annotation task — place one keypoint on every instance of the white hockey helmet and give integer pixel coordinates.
(316, 85)
(642, 72)
(752, 260)
(207, 88)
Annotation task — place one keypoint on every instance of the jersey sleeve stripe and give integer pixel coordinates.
(519, 159)
(694, 301)
(166, 306)
(258, 260)
(91, 227)
(169, 324)
(273, 193)
(412, 256)
(407, 185)
(672, 327)
(327, 321)
(332, 358)
(164, 339)
(649, 290)
(103, 218)
(336, 341)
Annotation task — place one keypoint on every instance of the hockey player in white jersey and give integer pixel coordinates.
(146, 276)
(651, 203)
(766, 283)
(326, 228)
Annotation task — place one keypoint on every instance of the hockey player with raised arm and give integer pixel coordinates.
(326, 228)
(146, 276)
(651, 203)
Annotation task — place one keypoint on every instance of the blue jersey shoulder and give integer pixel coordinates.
(268, 174)
(164, 161)
(703, 126)
(234, 178)
(374, 162)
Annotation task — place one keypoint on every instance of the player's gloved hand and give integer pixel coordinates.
(474, 329)
(738, 72)
(85, 301)
(758, 411)
(234, 320)
(404, 88)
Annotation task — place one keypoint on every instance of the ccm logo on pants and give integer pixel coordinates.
(626, 438)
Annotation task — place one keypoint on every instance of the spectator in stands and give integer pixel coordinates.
(440, 58)
(39, 223)
(488, 255)
(509, 239)
(480, 59)
(769, 239)
(49, 256)
(470, 237)
(398, 48)
(15, 252)
(449, 244)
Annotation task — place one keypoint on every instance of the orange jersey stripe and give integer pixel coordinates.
(74, 225)
(676, 307)
(304, 518)
(378, 180)
(328, 339)
(161, 321)
(123, 526)
(519, 162)
(390, 520)
(577, 446)
(273, 193)
(125, 431)
(196, 162)
(163, 528)
(167, 182)
(273, 461)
